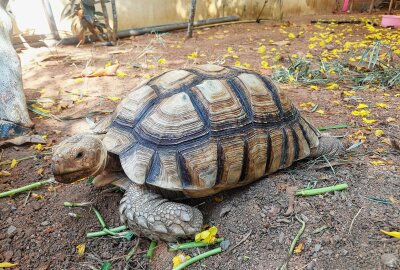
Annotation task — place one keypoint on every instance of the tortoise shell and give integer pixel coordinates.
(206, 129)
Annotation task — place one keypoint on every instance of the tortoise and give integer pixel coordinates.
(190, 133)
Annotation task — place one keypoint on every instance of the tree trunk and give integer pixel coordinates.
(115, 20)
(106, 20)
(191, 19)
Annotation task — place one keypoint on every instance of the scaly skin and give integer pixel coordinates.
(150, 215)
(328, 146)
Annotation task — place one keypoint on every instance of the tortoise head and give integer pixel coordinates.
(78, 157)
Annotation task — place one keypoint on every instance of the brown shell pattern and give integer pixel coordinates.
(207, 129)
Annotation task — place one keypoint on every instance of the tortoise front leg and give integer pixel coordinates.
(151, 216)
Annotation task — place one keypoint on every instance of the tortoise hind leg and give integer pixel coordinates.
(151, 216)
(329, 146)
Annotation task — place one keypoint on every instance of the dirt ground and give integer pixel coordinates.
(342, 229)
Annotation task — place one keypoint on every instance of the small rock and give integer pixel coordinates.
(317, 247)
(8, 255)
(344, 252)
(11, 230)
(390, 260)
(311, 265)
(45, 223)
(225, 244)
(225, 210)
(281, 236)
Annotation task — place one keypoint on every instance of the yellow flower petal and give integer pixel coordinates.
(332, 86)
(7, 265)
(121, 74)
(114, 98)
(213, 230)
(393, 234)
(207, 236)
(261, 49)
(80, 249)
(291, 35)
(381, 105)
(79, 80)
(379, 133)
(360, 113)
(38, 147)
(162, 61)
(299, 248)
(314, 87)
(361, 106)
(14, 163)
(349, 93)
(179, 259)
(368, 121)
(377, 162)
(192, 55)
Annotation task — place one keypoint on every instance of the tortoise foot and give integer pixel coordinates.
(149, 215)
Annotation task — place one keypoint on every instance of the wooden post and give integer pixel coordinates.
(191, 19)
(50, 19)
(390, 6)
(106, 20)
(371, 6)
(115, 20)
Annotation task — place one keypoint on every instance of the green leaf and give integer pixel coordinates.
(106, 266)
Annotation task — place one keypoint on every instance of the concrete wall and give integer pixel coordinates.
(30, 17)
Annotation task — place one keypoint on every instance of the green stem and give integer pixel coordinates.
(339, 126)
(25, 188)
(6, 162)
(132, 251)
(150, 252)
(300, 232)
(100, 218)
(317, 191)
(194, 245)
(103, 233)
(76, 204)
(198, 258)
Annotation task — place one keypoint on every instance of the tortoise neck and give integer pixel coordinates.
(102, 165)
(112, 163)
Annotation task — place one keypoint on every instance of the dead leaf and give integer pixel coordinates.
(4, 173)
(281, 43)
(299, 248)
(120, 51)
(22, 140)
(99, 72)
(290, 191)
(40, 171)
(52, 58)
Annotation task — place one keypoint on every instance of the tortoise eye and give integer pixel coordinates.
(79, 155)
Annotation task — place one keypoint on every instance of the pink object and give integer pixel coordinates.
(345, 5)
(390, 21)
